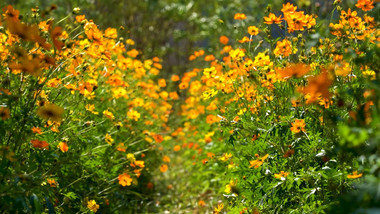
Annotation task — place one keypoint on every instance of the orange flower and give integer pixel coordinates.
(201, 203)
(349, 15)
(27, 65)
(298, 126)
(183, 85)
(133, 53)
(209, 58)
(138, 163)
(297, 70)
(110, 33)
(281, 175)
(37, 130)
(175, 78)
(52, 182)
(173, 95)
(253, 30)
(245, 39)
(288, 8)
(63, 147)
(158, 138)
(224, 40)
(164, 168)
(257, 163)
(240, 16)
(5, 113)
(108, 114)
(40, 144)
(288, 153)
(149, 185)
(11, 13)
(177, 148)
(80, 18)
(210, 119)
(121, 147)
(166, 159)
(125, 180)
(55, 33)
(199, 53)
(355, 175)
(365, 5)
(318, 86)
(296, 21)
(272, 19)
(162, 83)
(283, 48)
(93, 33)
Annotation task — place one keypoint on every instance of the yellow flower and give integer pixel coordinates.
(209, 72)
(108, 114)
(230, 187)
(134, 115)
(281, 175)
(209, 93)
(218, 209)
(225, 157)
(109, 139)
(93, 206)
(91, 108)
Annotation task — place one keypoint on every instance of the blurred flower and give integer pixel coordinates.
(355, 175)
(281, 175)
(37, 130)
(218, 209)
(225, 157)
(177, 148)
(224, 40)
(240, 16)
(40, 144)
(164, 168)
(51, 112)
(5, 113)
(166, 159)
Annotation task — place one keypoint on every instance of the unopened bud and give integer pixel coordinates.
(76, 10)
